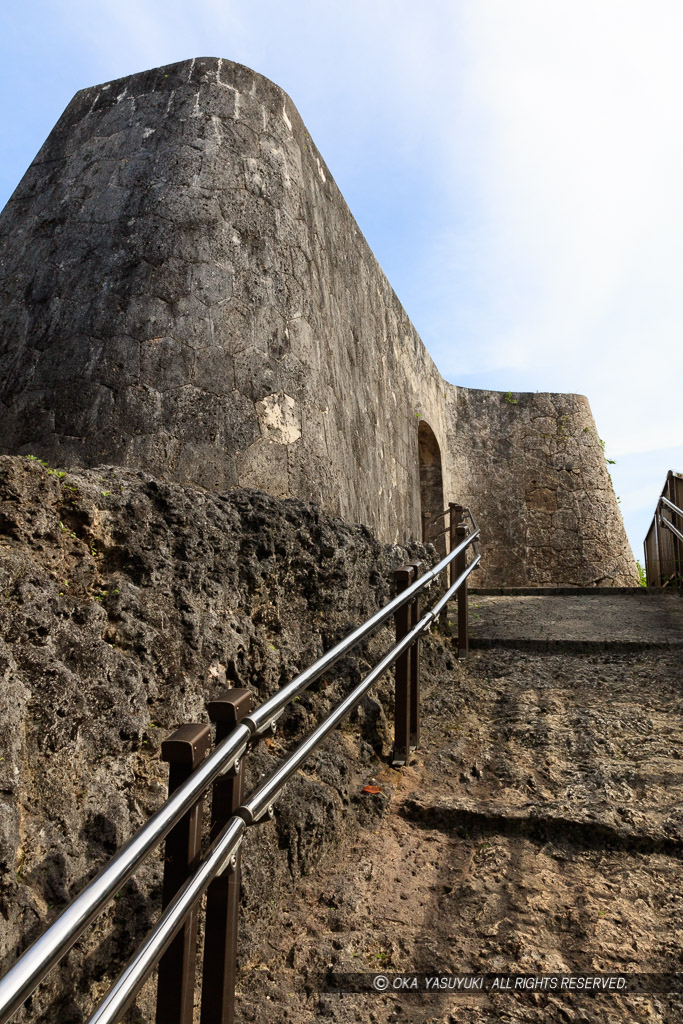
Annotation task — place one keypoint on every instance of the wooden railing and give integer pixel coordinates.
(664, 540)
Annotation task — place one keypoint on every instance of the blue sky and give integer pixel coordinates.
(515, 167)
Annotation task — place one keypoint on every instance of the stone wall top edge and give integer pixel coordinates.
(196, 67)
(484, 392)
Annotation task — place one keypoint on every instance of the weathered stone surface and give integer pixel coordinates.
(549, 515)
(184, 290)
(125, 604)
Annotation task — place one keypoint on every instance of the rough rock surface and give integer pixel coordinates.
(538, 830)
(183, 289)
(532, 468)
(125, 604)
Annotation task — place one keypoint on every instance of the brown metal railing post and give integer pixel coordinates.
(660, 571)
(460, 563)
(414, 654)
(426, 527)
(403, 577)
(454, 520)
(184, 751)
(222, 900)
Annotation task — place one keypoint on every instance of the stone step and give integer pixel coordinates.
(576, 621)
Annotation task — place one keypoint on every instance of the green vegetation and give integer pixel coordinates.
(642, 577)
(509, 399)
(610, 462)
(41, 462)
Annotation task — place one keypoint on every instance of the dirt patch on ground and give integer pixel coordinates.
(539, 830)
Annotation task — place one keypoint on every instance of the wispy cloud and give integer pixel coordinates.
(573, 144)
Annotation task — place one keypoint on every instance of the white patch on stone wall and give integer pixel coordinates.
(282, 160)
(286, 119)
(252, 176)
(147, 132)
(217, 129)
(230, 88)
(279, 418)
(320, 170)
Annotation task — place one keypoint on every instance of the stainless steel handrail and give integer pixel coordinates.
(260, 801)
(263, 796)
(263, 717)
(54, 943)
(671, 505)
(670, 526)
(665, 522)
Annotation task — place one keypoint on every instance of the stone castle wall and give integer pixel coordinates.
(184, 290)
(534, 465)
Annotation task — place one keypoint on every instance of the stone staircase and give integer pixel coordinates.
(577, 619)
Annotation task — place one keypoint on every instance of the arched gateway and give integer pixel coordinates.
(431, 479)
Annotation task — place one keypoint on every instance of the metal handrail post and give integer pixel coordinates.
(460, 561)
(132, 978)
(414, 655)
(455, 518)
(660, 573)
(260, 801)
(222, 898)
(404, 577)
(51, 946)
(426, 527)
(184, 751)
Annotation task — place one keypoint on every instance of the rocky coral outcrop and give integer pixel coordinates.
(125, 604)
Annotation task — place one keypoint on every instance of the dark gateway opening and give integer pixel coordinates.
(431, 483)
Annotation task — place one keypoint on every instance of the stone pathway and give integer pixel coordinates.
(539, 829)
(595, 619)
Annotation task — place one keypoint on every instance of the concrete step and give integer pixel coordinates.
(577, 621)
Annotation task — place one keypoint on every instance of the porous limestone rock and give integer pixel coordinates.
(126, 604)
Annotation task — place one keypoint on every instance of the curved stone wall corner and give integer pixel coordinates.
(184, 290)
(532, 468)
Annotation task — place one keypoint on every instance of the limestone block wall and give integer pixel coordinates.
(532, 466)
(184, 290)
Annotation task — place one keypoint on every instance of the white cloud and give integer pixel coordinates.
(573, 145)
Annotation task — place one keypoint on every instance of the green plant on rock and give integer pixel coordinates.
(41, 462)
(610, 462)
(509, 399)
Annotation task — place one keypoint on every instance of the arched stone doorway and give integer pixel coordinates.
(431, 481)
